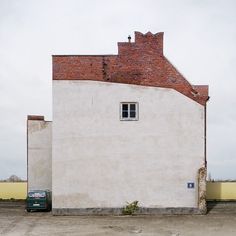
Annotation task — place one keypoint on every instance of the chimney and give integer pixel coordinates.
(151, 41)
(129, 39)
(148, 43)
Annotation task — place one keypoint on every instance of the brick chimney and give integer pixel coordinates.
(151, 44)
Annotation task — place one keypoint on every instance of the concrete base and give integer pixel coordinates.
(118, 211)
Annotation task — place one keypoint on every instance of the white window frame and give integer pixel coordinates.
(129, 118)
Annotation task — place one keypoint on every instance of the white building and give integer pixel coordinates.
(125, 127)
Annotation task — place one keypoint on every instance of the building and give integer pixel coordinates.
(39, 153)
(125, 127)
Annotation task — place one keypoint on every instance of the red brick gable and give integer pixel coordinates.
(141, 63)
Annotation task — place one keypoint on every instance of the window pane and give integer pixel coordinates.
(124, 107)
(132, 114)
(132, 107)
(125, 114)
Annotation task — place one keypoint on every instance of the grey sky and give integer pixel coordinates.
(199, 39)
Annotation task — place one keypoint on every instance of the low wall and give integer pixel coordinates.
(215, 190)
(13, 190)
(221, 191)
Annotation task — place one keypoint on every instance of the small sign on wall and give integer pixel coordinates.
(190, 184)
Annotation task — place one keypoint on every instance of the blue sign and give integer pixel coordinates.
(190, 184)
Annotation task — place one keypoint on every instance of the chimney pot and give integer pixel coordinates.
(129, 38)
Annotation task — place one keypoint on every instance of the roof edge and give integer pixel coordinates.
(35, 117)
(81, 55)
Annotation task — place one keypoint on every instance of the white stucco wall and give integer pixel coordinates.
(100, 161)
(39, 154)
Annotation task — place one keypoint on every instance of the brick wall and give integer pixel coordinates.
(140, 62)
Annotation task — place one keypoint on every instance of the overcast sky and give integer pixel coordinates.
(199, 39)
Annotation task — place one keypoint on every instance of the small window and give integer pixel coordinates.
(129, 111)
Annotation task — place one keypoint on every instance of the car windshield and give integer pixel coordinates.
(37, 194)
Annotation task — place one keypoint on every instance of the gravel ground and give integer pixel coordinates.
(14, 220)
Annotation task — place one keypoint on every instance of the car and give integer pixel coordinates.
(39, 200)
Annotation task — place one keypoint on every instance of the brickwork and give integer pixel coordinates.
(141, 63)
(35, 117)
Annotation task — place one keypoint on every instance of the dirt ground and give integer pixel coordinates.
(221, 220)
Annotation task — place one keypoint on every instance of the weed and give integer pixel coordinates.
(130, 208)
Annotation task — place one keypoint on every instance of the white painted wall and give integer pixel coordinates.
(39, 155)
(100, 161)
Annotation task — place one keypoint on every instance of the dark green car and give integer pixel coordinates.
(39, 200)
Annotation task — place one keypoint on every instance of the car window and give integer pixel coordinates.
(37, 194)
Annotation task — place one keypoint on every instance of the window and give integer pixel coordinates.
(129, 111)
